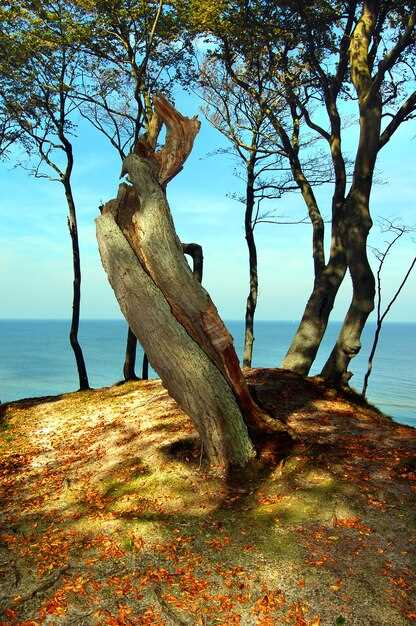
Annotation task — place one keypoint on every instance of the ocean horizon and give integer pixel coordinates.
(36, 358)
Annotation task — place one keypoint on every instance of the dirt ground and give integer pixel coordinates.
(110, 516)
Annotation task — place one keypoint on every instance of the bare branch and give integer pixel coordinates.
(398, 230)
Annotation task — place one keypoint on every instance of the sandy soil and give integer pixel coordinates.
(110, 515)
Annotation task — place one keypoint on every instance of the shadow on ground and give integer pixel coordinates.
(111, 516)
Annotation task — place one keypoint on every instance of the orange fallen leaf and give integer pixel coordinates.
(337, 586)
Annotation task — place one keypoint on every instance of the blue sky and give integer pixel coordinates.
(35, 250)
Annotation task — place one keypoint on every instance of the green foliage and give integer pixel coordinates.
(134, 49)
(103, 58)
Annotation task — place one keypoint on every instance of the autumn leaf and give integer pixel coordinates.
(337, 586)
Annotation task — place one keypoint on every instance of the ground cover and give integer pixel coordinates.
(110, 515)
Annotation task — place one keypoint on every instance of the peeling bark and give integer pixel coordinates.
(189, 375)
(194, 353)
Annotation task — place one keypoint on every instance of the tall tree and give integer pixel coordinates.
(381, 45)
(237, 115)
(38, 67)
(259, 56)
(318, 57)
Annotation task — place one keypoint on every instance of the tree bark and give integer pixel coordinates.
(145, 263)
(349, 339)
(188, 373)
(195, 251)
(76, 299)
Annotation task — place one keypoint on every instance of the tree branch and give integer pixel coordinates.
(400, 116)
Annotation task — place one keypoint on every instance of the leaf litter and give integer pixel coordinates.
(110, 515)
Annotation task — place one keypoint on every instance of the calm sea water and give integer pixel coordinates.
(36, 360)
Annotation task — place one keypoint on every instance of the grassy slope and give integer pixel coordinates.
(110, 516)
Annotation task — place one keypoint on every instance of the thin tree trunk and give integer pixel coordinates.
(130, 358)
(357, 225)
(251, 303)
(381, 317)
(371, 357)
(76, 300)
(144, 261)
(145, 367)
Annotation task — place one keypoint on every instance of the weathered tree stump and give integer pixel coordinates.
(165, 305)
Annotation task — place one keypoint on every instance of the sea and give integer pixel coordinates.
(36, 358)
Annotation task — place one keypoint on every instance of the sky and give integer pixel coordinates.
(35, 248)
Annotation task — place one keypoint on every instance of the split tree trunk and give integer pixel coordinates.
(143, 257)
(189, 375)
(76, 298)
(328, 277)
(348, 345)
(305, 344)
(357, 225)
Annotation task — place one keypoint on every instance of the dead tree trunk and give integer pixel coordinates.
(143, 257)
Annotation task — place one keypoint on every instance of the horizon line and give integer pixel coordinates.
(120, 319)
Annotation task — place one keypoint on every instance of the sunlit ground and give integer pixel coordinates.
(111, 516)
